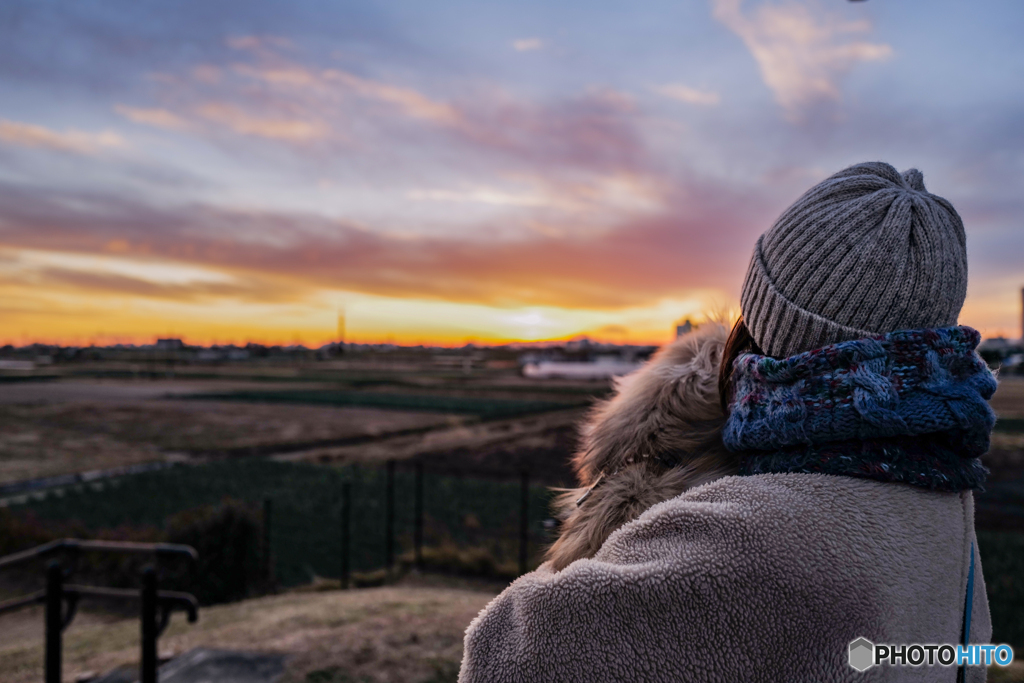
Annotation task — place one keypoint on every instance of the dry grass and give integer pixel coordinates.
(387, 634)
(47, 439)
(533, 431)
(1008, 401)
(63, 427)
(1010, 674)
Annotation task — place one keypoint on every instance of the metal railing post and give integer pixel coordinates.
(524, 523)
(54, 620)
(268, 555)
(389, 518)
(418, 528)
(147, 665)
(346, 530)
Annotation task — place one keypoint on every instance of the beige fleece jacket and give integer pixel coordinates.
(760, 578)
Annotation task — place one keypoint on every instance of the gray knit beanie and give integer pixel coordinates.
(865, 252)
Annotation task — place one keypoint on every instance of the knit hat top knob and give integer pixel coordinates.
(867, 251)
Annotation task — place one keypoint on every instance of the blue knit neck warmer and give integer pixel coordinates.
(909, 406)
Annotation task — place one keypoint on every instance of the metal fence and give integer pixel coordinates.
(402, 515)
(335, 522)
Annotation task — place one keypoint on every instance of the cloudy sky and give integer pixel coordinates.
(456, 171)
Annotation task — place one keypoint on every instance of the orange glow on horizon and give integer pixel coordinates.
(315, 338)
(144, 330)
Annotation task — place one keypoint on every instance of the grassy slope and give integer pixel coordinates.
(384, 634)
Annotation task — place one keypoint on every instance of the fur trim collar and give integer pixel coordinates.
(660, 435)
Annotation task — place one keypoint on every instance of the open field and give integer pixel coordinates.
(69, 425)
(47, 439)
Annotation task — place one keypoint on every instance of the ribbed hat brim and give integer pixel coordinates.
(779, 325)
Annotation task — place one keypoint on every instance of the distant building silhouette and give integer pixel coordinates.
(685, 328)
(169, 345)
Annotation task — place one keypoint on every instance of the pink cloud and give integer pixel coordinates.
(31, 135)
(690, 245)
(267, 96)
(244, 123)
(803, 50)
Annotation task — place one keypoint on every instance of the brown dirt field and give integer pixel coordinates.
(390, 634)
(47, 439)
(540, 444)
(76, 425)
(1006, 457)
(1008, 400)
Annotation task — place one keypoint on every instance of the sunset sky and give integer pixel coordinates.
(455, 171)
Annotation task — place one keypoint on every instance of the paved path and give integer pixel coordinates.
(203, 665)
(122, 391)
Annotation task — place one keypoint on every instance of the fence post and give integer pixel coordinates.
(268, 555)
(389, 518)
(418, 529)
(54, 620)
(346, 521)
(147, 666)
(524, 528)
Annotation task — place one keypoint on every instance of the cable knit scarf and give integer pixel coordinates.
(909, 406)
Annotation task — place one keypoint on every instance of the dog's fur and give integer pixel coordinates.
(668, 407)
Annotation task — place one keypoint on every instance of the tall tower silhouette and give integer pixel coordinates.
(341, 326)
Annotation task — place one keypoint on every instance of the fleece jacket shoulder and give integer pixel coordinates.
(747, 578)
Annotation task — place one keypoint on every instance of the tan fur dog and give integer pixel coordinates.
(669, 410)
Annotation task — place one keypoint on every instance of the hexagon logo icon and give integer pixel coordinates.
(862, 654)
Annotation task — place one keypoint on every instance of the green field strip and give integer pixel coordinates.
(485, 408)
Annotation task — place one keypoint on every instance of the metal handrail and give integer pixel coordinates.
(62, 599)
(172, 599)
(17, 603)
(73, 544)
